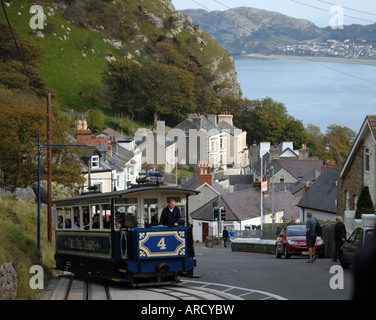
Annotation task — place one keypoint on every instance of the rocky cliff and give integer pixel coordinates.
(248, 30)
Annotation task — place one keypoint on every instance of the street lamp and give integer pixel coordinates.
(327, 149)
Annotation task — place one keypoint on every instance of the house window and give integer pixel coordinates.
(95, 162)
(367, 155)
(282, 179)
(186, 132)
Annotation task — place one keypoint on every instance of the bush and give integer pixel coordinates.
(364, 204)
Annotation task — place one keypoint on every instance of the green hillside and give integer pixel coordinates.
(78, 35)
(18, 237)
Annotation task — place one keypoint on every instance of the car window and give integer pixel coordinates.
(294, 231)
(358, 237)
(353, 235)
(369, 234)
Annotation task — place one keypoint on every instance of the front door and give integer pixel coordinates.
(205, 230)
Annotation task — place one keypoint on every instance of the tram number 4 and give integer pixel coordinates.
(162, 244)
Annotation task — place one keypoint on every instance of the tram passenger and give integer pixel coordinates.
(68, 224)
(170, 215)
(95, 224)
(60, 221)
(77, 222)
(119, 220)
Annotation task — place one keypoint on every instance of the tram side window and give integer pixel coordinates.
(106, 215)
(67, 218)
(76, 218)
(59, 218)
(126, 217)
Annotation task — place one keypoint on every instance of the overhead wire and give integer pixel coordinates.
(15, 41)
(326, 10)
(347, 8)
(218, 13)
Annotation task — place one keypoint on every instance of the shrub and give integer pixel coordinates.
(364, 204)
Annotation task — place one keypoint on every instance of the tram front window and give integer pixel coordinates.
(150, 212)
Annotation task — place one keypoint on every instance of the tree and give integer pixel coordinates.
(24, 116)
(146, 92)
(18, 68)
(342, 138)
(364, 204)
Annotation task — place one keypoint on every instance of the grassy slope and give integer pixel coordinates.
(18, 238)
(63, 66)
(70, 74)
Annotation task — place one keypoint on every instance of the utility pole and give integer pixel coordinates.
(49, 170)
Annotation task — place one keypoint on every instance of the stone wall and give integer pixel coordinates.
(8, 282)
(268, 246)
(352, 181)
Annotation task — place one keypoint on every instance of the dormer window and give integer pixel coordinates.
(94, 162)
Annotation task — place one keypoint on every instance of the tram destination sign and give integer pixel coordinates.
(94, 244)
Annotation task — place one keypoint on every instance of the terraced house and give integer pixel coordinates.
(359, 168)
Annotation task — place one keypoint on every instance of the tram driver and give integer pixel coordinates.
(170, 215)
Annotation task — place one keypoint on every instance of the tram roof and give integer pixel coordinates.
(119, 194)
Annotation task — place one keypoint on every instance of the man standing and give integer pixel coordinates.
(170, 215)
(311, 237)
(225, 236)
(339, 237)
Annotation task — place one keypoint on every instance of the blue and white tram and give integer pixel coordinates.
(116, 236)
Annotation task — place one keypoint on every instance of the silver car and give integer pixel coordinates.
(353, 245)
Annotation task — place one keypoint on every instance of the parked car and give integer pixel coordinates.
(292, 241)
(352, 246)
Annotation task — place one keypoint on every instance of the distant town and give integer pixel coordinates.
(332, 48)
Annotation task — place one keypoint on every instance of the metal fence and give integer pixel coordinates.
(271, 234)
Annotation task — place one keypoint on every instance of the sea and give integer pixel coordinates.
(314, 91)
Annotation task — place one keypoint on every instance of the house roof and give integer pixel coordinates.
(368, 126)
(245, 204)
(322, 194)
(194, 184)
(309, 177)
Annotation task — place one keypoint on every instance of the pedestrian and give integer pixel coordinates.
(311, 237)
(232, 234)
(225, 236)
(170, 215)
(339, 237)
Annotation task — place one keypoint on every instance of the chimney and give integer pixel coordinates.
(212, 118)
(225, 116)
(114, 144)
(273, 154)
(109, 149)
(197, 120)
(204, 172)
(303, 152)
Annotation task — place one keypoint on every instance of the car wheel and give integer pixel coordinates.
(344, 264)
(287, 256)
(277, 253)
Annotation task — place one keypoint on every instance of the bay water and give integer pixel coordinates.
(313, 91)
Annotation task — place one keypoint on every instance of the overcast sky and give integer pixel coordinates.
(317, 11)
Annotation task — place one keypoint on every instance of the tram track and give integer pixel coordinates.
(67, 287)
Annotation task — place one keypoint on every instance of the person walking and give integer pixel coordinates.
(311, 237)
(339, 237)
(170, 215)
(225, 236)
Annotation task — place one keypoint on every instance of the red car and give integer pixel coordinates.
(292, 241)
